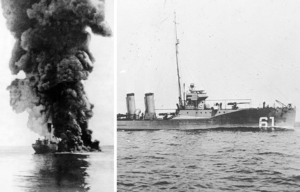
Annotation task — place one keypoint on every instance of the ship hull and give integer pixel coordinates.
(44, 148)
(283, 118)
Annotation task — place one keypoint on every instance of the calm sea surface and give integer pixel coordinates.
(208, 161)
(22, 170)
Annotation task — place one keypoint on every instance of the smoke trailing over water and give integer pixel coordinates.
(52, 48)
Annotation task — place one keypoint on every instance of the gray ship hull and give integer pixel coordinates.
(44, 148)
(260, 118)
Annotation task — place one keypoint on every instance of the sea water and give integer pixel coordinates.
(22, 170)
(208, 161)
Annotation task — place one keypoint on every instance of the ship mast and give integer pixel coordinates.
(178, 75)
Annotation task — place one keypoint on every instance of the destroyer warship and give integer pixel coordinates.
(193, 112)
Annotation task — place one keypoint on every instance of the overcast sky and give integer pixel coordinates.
(234, 49)
(99, 88)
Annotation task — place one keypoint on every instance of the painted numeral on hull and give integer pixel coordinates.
(263, 121)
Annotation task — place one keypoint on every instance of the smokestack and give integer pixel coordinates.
(49, 127)
(149, 106)
(52, 49)
(130, 101)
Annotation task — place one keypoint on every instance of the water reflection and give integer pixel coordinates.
(70, 171)
(21, 170)
(67, 172)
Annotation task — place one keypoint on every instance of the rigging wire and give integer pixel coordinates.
(250, 75)
(195, 77)
(191, 73)
(191, 64)
(151, 47)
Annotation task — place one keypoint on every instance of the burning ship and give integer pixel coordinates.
(47, 145)
(52, 49)
(194, 113)
(44, 146)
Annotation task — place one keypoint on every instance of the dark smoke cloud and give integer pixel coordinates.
(52, 48)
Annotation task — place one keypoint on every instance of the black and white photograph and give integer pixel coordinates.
(207, 95)
(57, 95)
(150, 95)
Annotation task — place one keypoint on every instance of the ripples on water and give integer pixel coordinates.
(22, 170)
(208, 161)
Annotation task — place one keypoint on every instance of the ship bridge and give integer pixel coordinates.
(195, 99)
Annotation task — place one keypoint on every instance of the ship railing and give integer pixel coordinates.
(228, 103)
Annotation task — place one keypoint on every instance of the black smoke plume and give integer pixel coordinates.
(52, 48)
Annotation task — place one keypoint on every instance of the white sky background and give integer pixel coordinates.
(234, 49)
(99, 88)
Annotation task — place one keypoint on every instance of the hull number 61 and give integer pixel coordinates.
(263, 121)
